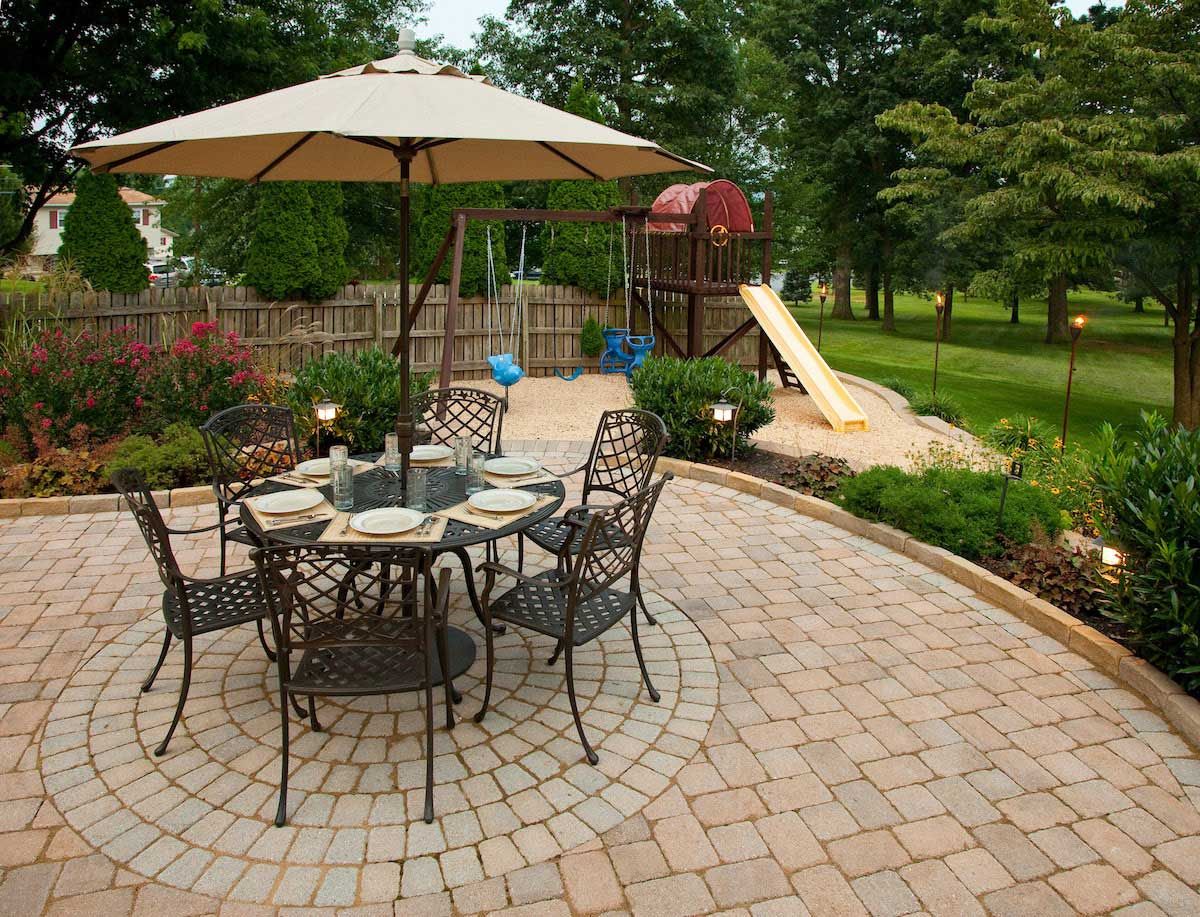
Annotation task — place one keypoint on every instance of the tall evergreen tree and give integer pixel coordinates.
(282, 259)
(432, 206)
(101, 238)
(331, 236)
(578, 253)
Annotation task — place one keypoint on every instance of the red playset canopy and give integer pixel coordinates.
(727, 205)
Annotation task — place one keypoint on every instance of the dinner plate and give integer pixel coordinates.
(430, 453)
(512, 465)
(391, 520)
(319, 468)
(501, 500)
(288, 501)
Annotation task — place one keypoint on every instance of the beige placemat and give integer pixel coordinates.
(463, 513)
(275, 521)
(339, 532)
(520, 480)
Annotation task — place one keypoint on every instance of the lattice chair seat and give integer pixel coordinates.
(540, 604)
(374, 668)
(217, 604)
(552, 534)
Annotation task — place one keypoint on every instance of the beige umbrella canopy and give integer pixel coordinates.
(400, 119)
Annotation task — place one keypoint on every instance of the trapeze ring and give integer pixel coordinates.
(720, 235)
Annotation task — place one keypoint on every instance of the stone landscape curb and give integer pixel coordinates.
(101, 503)
(1114, 660)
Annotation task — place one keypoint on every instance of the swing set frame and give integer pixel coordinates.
(705, 260)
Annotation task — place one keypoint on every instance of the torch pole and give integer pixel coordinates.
(1062, 445)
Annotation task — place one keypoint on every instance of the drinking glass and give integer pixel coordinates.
(475, 479)
(418, 489)
(391, 452)
(341, 475)
(462, 454)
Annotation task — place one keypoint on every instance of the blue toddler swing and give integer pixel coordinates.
(626, 352)
(505, 370)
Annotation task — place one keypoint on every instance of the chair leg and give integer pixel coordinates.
(592, 757)
(312, 713)
(183, 693)
(223, 539)
(452, 696)
(650, 619)
(558, 648)
(281, 810)
(490, 641)
(262, 638)
(520, 552)
(149, 682)
(429, 740)
(637, 648)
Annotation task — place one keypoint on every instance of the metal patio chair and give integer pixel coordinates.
(348, 623)
(246, 443)
(191, 605)
(626, 446)
(448, 413)
(577, 606)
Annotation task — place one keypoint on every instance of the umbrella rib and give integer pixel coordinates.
(429, 144)
(284, 155)
(117, 163)
(561, 155)
(433, 175)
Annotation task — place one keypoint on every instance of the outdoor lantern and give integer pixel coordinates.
(326, 411)
(1109, 556)
(723, 411)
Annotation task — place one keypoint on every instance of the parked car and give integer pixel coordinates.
(163, 274)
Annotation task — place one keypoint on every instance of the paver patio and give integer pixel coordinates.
(841, 731)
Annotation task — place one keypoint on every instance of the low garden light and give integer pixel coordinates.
(822, 295)
(939, 305)
(1076, 330)
(1015, 470)
(726, 412)
(1109, 556)
(326, 412)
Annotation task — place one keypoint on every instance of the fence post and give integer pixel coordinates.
(379, 320)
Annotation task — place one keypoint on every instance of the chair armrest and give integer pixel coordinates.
(493, 569)
(204, 528)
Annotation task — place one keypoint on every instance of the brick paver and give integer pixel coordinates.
(842, 731)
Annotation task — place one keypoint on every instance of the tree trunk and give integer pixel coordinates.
(948, 314)
(1186, 347)
(1139, 304)
(1056, 314)
(872, 288)
(889, 303)
(1014, 305)
(841, 284)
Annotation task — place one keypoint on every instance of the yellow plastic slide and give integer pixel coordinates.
(826, 389)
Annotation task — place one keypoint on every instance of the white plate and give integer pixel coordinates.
(386, 521)
(288, 501)
(512, 465)
(319, 468)
(501, 500)
(430, 453)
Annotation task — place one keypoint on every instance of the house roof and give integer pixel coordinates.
(130, 196)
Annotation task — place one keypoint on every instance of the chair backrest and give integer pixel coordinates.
(611, 546)
(249, 441)
(329, 596)
(132, 486)
(628, 442)
(449, 413)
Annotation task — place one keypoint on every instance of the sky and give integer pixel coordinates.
(458, 19)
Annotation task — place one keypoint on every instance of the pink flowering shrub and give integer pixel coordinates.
(59, 388)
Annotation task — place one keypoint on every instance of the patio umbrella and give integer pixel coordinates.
(400, 119)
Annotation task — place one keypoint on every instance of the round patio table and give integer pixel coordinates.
(379, 487)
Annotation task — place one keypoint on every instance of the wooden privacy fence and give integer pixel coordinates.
(289, 334)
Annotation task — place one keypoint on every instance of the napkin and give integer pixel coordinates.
(520, 480)
(339, 532)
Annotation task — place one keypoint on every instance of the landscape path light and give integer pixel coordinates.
(726, 412)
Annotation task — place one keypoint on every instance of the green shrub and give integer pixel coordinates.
(101, 238)
(282, 261)
(175, 459)
(591, 338)
(943, 406)
(1021, 435)
(953, 508)
(1150, 495)
(899, 386)
(367, 386)
(817, 474)
(331, 235)
(681, 393)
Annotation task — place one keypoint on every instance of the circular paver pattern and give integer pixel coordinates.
(357, 787)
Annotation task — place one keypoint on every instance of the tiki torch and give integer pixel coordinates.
(1076, 331)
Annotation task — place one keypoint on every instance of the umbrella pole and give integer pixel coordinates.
(404, 423)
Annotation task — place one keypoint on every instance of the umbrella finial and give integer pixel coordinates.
(407, 41)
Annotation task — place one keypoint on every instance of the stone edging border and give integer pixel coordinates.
(1182, 710)
(101, 503)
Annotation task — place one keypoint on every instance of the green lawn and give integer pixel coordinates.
(994, 369)
(21, 286)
